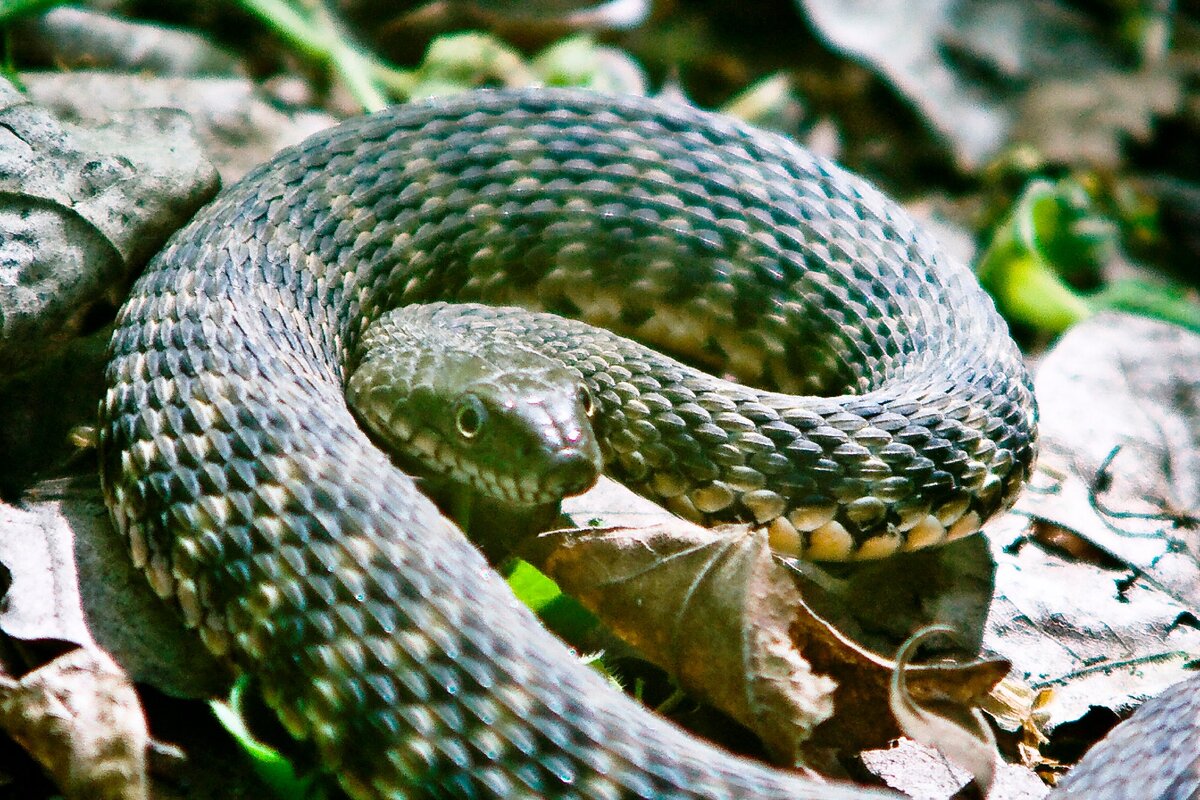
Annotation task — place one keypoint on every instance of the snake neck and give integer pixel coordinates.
(919, 459)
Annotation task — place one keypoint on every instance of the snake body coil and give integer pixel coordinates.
(251, 497)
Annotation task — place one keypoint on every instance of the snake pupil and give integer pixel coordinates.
(470, 416)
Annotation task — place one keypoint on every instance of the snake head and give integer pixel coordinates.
(501, 419)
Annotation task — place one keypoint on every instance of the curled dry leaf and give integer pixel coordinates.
(722, 614)
(72, 581)
(80, 718)
(965, 738)
(984, 73)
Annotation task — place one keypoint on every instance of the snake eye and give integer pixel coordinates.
(469, 416)
(586, 401)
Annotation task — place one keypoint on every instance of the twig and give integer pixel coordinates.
(1168, 512)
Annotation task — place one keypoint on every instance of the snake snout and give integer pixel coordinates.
(574, 471)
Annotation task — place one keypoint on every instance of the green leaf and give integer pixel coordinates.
(560, 613)
(1054, 231)
(269, 764)
(1049, 231)
(1166, 301)
(532, 587)
(318, 36)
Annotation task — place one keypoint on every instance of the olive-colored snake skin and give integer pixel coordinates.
(376, 631)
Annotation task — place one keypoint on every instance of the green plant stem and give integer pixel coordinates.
(399, 82)
(1173, 304)
(354, 67)
(318, 37)
(282, 18)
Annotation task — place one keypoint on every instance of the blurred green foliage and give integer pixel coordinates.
(1054, 236)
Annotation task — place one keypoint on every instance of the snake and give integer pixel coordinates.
(853, 391)
(1152, 754)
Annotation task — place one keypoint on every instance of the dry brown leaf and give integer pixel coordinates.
(721, 613)
(1098, 598)
(73, 581)
(904, 42)
(80, 718)
(1091, 118)
(919, 771)
(703, 606)
(984, 73)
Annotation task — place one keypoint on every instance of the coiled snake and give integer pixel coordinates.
(249, 494)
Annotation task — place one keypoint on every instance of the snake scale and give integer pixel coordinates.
(249, 494)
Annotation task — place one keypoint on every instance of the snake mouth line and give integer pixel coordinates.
(523, 489)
